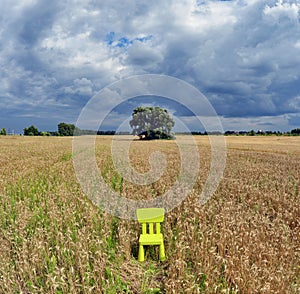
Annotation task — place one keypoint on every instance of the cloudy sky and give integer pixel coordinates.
(243, 55)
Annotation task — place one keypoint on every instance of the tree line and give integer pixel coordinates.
(65, 129)
(294, 132)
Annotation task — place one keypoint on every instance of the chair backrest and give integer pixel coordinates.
(150, 216)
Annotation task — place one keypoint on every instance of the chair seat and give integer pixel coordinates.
(151, 239)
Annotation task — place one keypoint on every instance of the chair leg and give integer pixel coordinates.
(162, 256)
(141, 256)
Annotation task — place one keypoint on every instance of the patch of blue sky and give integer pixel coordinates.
(124, 42)
(110, 37)
(144, 39)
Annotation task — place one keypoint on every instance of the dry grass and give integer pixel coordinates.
(246, 239)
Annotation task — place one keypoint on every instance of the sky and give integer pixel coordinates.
(243, 55)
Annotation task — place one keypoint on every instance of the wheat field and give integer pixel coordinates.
(245, 239)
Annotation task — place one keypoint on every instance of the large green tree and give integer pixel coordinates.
(151, 123)
(31, 131)
(65, 129)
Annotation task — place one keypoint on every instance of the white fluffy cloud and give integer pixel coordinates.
(243, 55)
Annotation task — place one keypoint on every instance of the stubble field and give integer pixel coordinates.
(245, 239)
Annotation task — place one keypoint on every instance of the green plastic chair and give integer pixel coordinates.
(151, 234)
